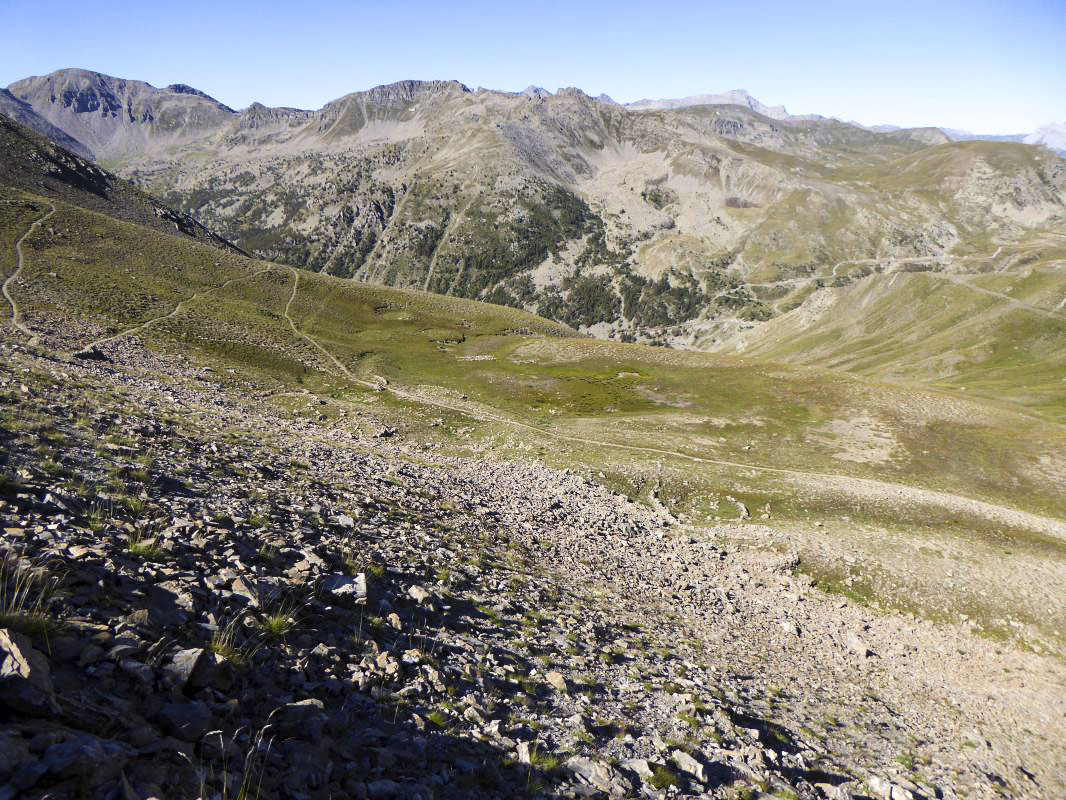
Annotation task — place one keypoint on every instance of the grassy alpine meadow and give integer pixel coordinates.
(881, 480)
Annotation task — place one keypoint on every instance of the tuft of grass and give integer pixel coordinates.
(280, 622)
(663, 778)
(25, 591)
(228, 643)
(267, 554)
(689, 719)
(277, 626)
(258, 521)
(544, 761)
(133, 504)
(376, 571)
(141, 545)
(438, 719)
(99, 516)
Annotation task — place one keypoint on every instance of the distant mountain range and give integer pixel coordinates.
(172, 102)
(626, 221)
(1052, 135)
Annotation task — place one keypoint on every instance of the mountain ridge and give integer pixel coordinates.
(407, 90)
(663, 225)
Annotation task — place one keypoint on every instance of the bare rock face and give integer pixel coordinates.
(25, 680)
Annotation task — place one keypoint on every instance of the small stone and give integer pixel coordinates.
(188, 668)
(831, 792)
(383, 789)
(346, 587)
(638, 766)
(599, 775)
(886, 790)
(186, 721)
(856, 645)
(688, 764)
(418, 594)
(525, 754)
(302, 719)
(557, 681)
(84, 756)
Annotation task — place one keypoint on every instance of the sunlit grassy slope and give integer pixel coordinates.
(701, 433)
(114, 276)
(1000, 335)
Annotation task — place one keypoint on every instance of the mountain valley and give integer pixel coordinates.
(445, 443)
(670, 225)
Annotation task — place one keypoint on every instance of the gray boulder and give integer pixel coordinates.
(25, 680)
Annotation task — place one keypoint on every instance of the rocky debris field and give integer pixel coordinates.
(201, 598)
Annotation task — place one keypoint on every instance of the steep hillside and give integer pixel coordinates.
(326, 526)
(21, 112)
(651, 225)
(36, 164)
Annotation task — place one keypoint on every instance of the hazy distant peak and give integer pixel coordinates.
(535, 91)
(734, 97)
(1052, 135)
(959, 135)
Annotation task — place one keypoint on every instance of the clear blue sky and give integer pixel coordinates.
(992, 67)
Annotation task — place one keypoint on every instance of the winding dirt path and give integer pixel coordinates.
(13, 277)
(176, 310)
(307, 337)
(961, 281)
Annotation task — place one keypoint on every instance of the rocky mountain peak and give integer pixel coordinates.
(409, 90)
(535, 91)
(183, 88)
